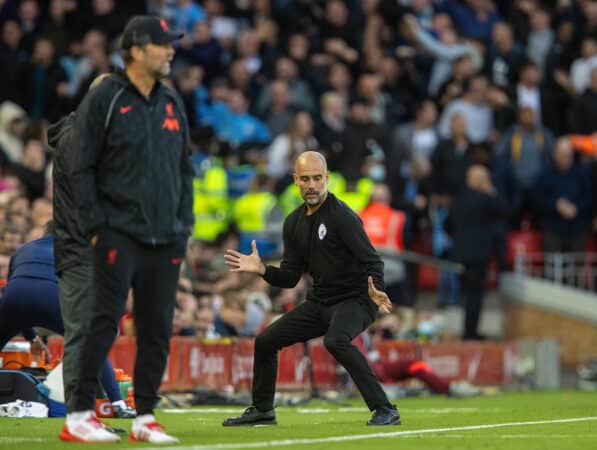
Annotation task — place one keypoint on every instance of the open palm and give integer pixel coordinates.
(239, 262)
(380, 298)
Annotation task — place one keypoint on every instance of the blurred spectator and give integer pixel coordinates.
(528, 92)
(12, 55)
(188, 13)
(474, 17)
(475, 107)
(463, 68)
(361, 139)
(585, 108)
(418, 137)
(541, 36)
(42, 83)
(186, 309)
(30, 170)
(11, 238)
(13, 121)
(202, 49)
(278, 116)
(580, 71)
(473, 212)
(563, 197)
(330, 125)
(450, 162)
(527, 146)
(239, 126)
(204, 319)
(504, 56)
(445, 52)
(286, 147)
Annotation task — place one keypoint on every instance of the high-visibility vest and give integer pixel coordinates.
(251, 211)
(384, 227)
(211, 207)
(359, 198)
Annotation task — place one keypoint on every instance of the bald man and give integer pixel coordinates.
(326, 239)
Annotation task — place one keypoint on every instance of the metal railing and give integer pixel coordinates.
(577, 270)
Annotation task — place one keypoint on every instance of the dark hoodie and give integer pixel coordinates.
(71, 247)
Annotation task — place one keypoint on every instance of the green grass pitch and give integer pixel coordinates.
(530, 420)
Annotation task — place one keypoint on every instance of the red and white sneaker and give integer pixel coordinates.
(85, 427)
(146, 429)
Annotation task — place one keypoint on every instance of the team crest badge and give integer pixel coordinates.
(322, 231)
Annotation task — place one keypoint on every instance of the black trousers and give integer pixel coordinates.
(340, 324)
(152, 272)
(475, 275)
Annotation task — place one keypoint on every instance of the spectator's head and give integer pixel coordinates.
(301, 125)
(286, 69)
(448, 36)
(237, 102)
(381, 194)
(565, 31)
(34, 157)
(390, 71)
(189, 78)
(339, 77)
(28, 11)
(563, 155)
(463, 68)
(426, 114)
(539, 19)
(147, 46)
(529, 75)
(11, 238)
(478, 178)
(476, 89)
(502, 37)
(43, 52)
(219, 90)
(360, 112)
(204, 316)
(102, 7)
(526, 117)
(280, 95)
(239, 74)
(93, 39)
(202, 32)
(332, 105)
(336, 13)
(248, 44)
(11, 34)
(298, 46)
(57, 10)
(588, 47)
(442, 21)
(41, 211)
(458, 127)
(13, 119)
(368, 87)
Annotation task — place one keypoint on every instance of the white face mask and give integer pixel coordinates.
(377, 173)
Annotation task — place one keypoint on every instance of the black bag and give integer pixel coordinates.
(20, 385)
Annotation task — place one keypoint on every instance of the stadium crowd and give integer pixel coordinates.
(417, 104)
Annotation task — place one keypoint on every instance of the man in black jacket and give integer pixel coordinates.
(72, 260)
(325, 238)
(132, 183)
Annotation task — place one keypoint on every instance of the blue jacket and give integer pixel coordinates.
(35, 259)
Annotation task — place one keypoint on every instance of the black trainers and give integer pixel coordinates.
(124, 413)
(385, 416)
(252, 416)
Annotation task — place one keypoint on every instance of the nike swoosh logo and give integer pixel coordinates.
(125, 109)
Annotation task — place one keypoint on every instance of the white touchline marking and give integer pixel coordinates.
(359, 437)
(14, 440)
(462, 410)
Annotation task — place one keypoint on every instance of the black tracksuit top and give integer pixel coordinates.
(132, 173)
(330, 245)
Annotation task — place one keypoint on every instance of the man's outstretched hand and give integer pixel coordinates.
(380, 298)
(245, 263)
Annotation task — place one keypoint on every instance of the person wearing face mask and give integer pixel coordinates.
(325, 238)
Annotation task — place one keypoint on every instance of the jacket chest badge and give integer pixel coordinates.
(322, 231)
(170, 122)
